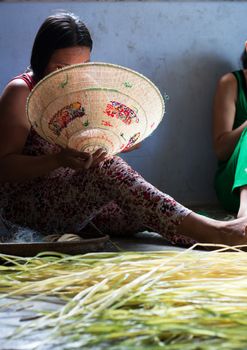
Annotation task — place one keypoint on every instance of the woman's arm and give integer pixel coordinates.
(14, 129)
(225, 138)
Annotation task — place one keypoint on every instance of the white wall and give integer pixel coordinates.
(183, 47)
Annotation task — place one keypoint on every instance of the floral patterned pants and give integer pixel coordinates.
(113, 195)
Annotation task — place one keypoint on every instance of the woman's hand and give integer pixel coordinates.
(77, 160)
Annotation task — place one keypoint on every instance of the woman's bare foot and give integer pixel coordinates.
(206, 230)
(233, 232)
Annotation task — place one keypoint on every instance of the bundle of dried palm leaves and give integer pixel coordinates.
(151, 300)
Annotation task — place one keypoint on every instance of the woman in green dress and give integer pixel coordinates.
(230, 139)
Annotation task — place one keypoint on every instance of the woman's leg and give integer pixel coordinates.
(206, 230)
(163, 214)
(143, 204)
(112, 220)
(243, 202)
(68, 201)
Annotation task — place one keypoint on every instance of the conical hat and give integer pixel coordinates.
(95, 105)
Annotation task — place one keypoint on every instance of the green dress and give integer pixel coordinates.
(232, 174)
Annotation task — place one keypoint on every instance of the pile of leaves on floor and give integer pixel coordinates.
(125, 301)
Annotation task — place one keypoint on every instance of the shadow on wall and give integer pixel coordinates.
(183, 141)
(191, 88)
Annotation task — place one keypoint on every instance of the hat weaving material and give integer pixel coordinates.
(95, 105)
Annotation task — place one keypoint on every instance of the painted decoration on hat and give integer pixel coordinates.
(133, 140)
(118, 110)
(65, 116)
(95, 105)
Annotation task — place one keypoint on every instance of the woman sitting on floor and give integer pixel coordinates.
(50, 189)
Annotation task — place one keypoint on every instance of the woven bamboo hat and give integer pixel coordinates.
(95, 105)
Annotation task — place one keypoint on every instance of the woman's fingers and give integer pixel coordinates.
(80, 160)
(100, 159)
(98, 153)
(78, 154)
(88, 162)
(99, 156)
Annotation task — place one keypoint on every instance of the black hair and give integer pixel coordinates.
(58, 31)
(244, 59)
